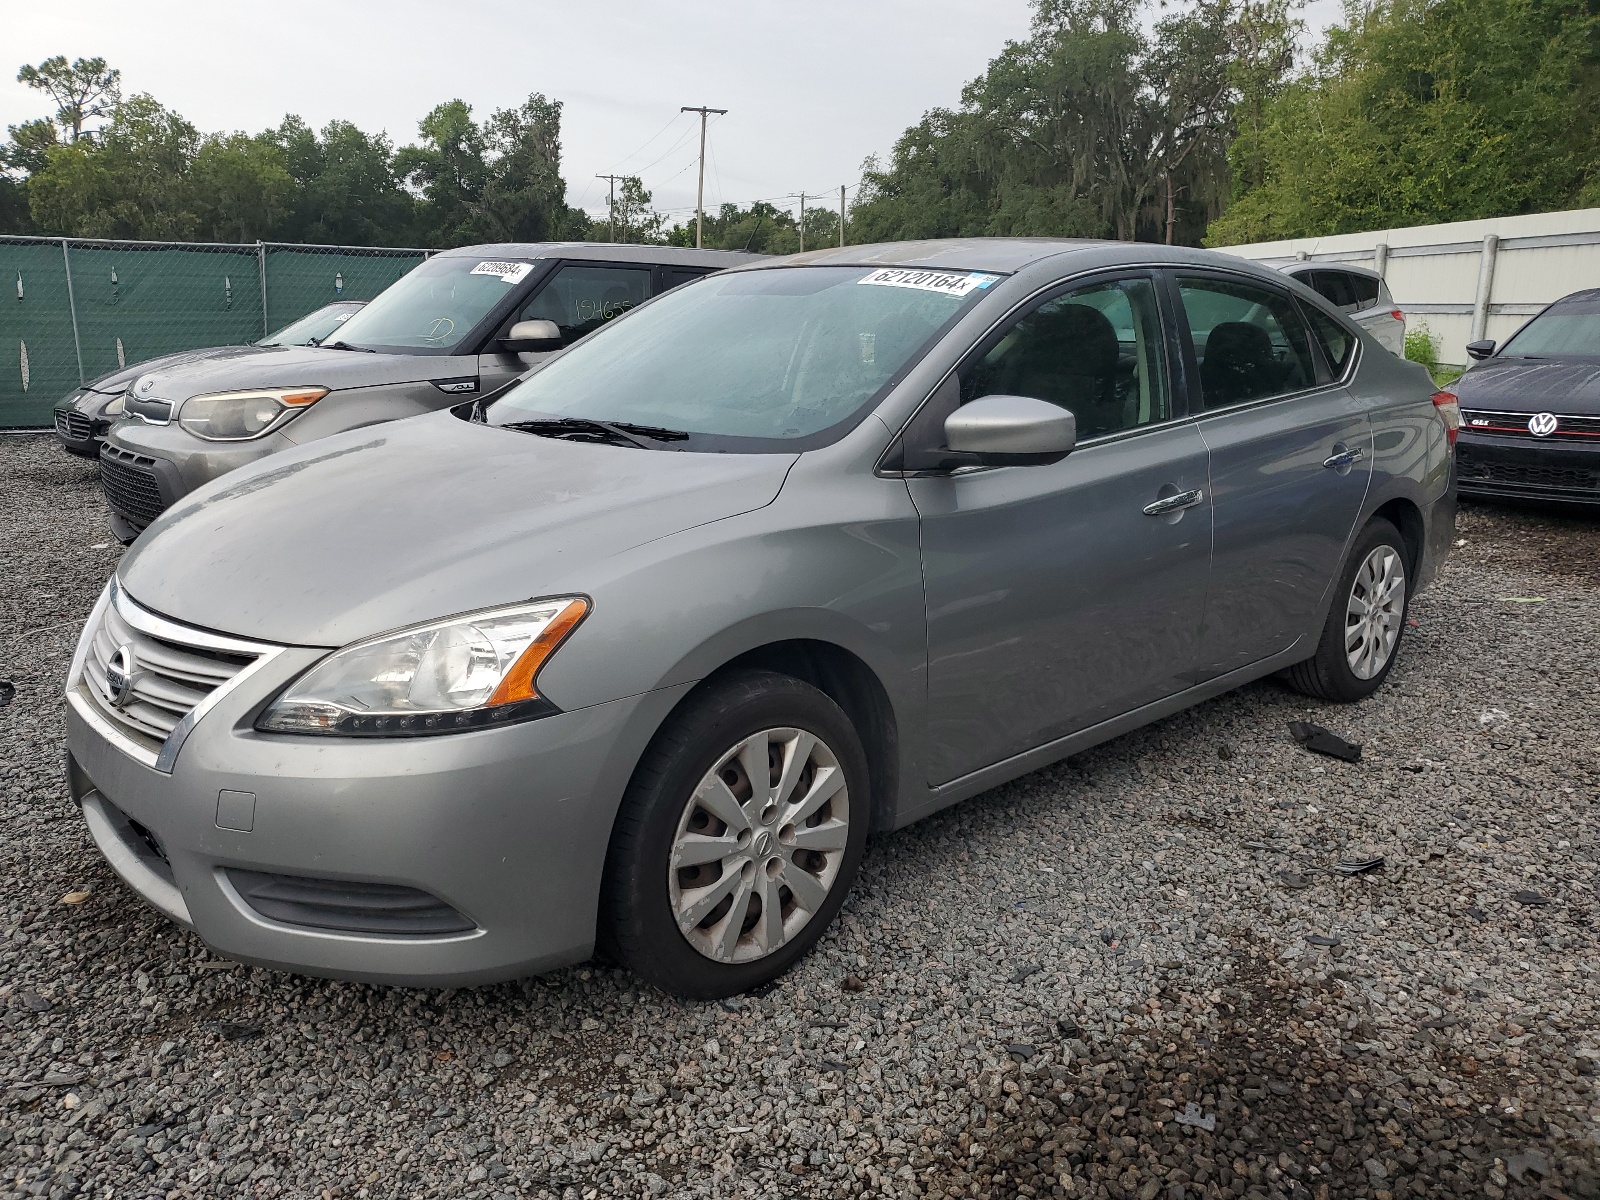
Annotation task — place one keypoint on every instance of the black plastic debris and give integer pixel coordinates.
(1358, 866)
(1022, 1052)
(8, 692)
(1441, 1022)
(830, 1065)
(1317, 939)
(1477, 914)
(1321, 741)
(1067, 1027)
(1293, 879)
(1532, 899)
(1225, 752)
(1191, 1115)
(1024, 971)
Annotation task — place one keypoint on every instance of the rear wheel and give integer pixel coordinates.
(1365, 623)
(739, 837)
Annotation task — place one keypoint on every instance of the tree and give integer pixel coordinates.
(524, 198)
(130, 182)
(242, 190)
(83, 91)
(1422, 111)
(346, 190)
(635, 220)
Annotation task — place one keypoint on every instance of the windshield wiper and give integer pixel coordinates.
(345, 346)
(616, 432)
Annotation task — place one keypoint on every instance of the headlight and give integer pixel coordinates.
(114, 409)
(462, 673)
(238, 416)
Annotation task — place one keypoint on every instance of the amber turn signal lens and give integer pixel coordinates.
(518, 683)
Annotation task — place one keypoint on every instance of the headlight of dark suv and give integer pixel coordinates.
(461, 673)
(240, 416)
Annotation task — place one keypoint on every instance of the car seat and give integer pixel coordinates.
(1239, 365)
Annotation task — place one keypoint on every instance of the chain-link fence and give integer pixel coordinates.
(74, 309)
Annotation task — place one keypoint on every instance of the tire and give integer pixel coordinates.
(1377, 560)
(684, 805)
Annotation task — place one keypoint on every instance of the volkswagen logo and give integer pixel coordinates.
(119, 676)
(1542, 424)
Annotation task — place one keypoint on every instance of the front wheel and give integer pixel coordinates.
(1365, 623)
(739, 837)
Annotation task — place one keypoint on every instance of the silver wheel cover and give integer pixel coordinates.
(1373, 613)
(759, 845)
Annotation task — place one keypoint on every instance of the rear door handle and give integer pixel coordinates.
(1343, 458)
(1172, 504)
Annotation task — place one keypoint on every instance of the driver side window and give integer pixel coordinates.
(579, 299)
(1096, 350)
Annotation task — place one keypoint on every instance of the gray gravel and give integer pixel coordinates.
(1025, 995)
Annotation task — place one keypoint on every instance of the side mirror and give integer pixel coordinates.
(1479, 351)
(1012, 431)
(532, 336)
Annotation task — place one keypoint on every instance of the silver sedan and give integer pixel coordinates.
(639, 653)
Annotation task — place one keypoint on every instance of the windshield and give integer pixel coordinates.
(313, 327)
(776, 355)
(435, 306)
(1569, 329)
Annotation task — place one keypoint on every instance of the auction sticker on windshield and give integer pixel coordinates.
(952, 283)
(508, 272)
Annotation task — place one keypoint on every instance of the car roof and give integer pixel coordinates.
(1003, 254)
(1587, 296)
(606, 252)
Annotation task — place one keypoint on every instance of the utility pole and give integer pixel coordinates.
(802, 222)
(611, 220)
(700, 196)
(841, 216)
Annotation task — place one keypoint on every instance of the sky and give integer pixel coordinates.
(812, 89)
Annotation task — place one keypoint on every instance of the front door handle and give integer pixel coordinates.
(1172, 504)
(1342, 458)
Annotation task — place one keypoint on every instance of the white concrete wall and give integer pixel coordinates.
(1433, 270)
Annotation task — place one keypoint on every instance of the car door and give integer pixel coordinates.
(1059, 596)
(579, 298)
(1290, 459)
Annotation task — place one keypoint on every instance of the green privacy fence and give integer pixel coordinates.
(73, 309)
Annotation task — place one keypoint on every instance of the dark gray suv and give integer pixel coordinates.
(462, 324)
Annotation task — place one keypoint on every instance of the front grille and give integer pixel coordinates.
(1515, 424)
(1472, 468)
(129, 482)
(171, 671)
(347, 906)
(73, 425)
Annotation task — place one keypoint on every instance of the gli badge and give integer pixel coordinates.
(119, 676)
(1542, 424)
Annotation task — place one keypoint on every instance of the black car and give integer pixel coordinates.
(1530, 411)
(82, 418)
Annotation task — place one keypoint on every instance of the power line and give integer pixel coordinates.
(611, 210)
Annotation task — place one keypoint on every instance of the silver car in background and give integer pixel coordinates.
(1360, 294)
(464, 323)
(639, 652)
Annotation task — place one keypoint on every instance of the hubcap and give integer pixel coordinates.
(759, 845)
(1376, 607)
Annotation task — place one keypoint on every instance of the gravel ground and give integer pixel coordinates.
(1134, 974)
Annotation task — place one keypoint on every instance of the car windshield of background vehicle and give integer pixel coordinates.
(432, 308)
(766, 359)
(1570, 329)
(313, 327)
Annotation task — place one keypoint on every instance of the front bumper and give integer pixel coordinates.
(508, 827)
(78, 424)
(1524, 469)
(146, 469)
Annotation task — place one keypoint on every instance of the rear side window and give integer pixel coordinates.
(1248, 339)
(1364, 289)
(680, 275)
(579, 299)
(1336, 341)
(1332, 286)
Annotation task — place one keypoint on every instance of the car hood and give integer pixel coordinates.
(377, 528)
(1532, 385)
(114, 383)
(290, 366)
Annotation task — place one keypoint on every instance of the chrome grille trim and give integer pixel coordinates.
(180, 682)
(1569, 426)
